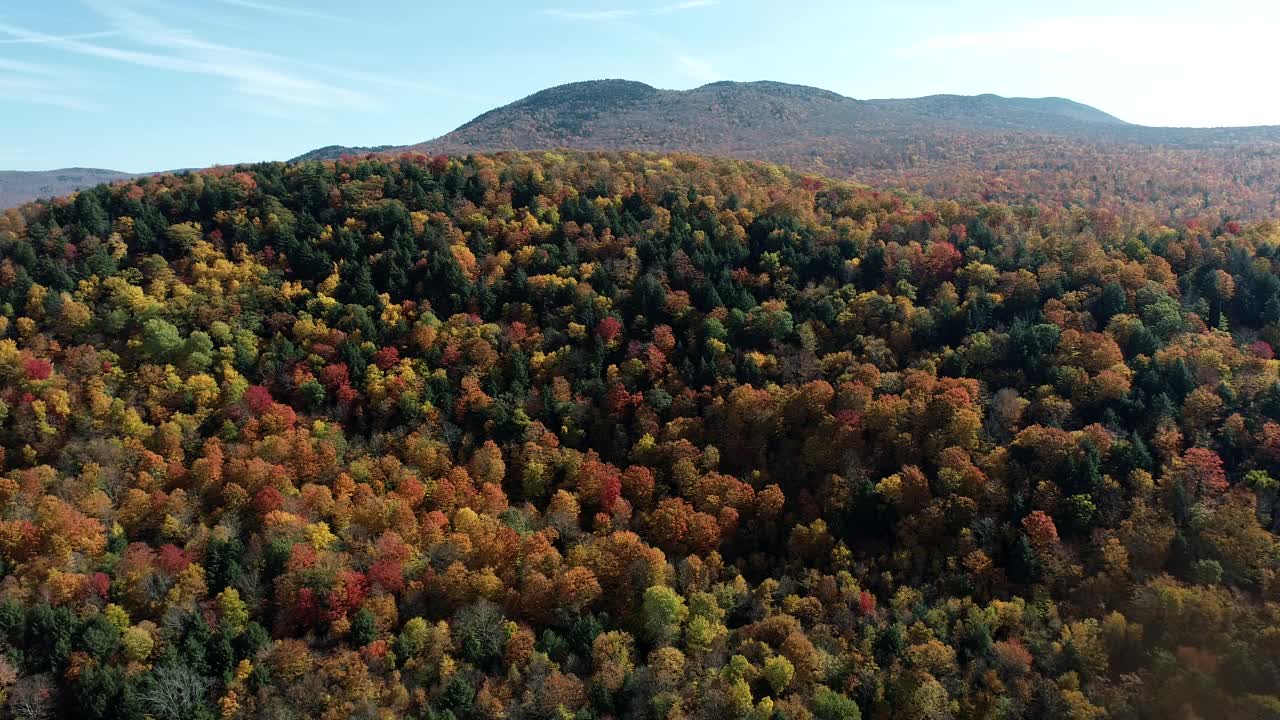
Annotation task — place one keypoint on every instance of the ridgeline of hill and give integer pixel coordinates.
(1048, 150)
(22, 186)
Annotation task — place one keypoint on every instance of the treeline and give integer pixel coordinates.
(629, 435)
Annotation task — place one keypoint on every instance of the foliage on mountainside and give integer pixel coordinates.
(19, 186)
(599, 435)
(1010, 150)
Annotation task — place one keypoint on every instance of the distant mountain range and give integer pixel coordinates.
(21, 186)
(990, 147)
(1010, 149)
(738, 117)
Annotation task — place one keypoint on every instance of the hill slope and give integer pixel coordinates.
(620, 435)
(1012, 149)
(20, 186)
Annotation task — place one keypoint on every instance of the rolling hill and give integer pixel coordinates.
(989, 147)
(20, 186)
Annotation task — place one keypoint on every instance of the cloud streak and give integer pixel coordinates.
(684, 61)
(618, 14)
(260, 77)
(270, 84)
(591, 15)
(282, 10)
(26, 68)
(682, 6)
(79, 36)
(696, 68)
(248, 78)
(34, 84)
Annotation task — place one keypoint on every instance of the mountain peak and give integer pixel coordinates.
(610, 89)
(771, 88)
(990, 110)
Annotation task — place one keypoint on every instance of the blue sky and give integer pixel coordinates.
(142, 85)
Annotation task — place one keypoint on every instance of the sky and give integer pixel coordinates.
(144, 85)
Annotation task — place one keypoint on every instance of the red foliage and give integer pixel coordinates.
(1203, 472)
(258, 398)
(375, 650)
(172, 559)
(866, 603)
(638, 483)
(941, 261)
(268, 499)
(305, 609)
(335, 376)
(349, 588)
(388, 574)
(386, 358)
(601, 482)
(849, 418)
(1262, 349)
(517, 332)
(100, 583)
(452, 355)
(1040, 529)
(280, 418)
(609, 328)
(617, 400)
(37, 368)
(347, 395)
(301, 557)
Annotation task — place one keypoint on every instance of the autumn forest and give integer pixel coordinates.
(589, 435)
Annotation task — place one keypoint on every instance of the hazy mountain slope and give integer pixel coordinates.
(20, 186)
(1012, 149)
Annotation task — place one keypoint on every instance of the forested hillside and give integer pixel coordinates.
(590, 435)
(1014, 150)
(19, 186)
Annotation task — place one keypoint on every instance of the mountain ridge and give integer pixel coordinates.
(22, 186)
(1018, 150)
(630, 92)
(1012, 149)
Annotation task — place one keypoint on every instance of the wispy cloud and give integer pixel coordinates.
(79, 36)
(34, 84)
(680, 6)
(591, 15)
(283, 10)
(160, 46)
(146, 30)
(27, 68)
(249, 78)
(617, 14)
(681, 57)
(1067, 33)
(696, 68)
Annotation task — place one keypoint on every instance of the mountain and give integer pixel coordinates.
(988, 147)
(331, 152)
(994, 111)
(21, 186)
